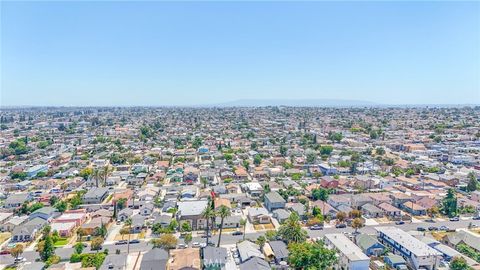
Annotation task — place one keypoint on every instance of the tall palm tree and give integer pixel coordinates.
(105, 173)
(128, 222)
(208, 214)
(223, 212)
(243, 223)
(97, 174)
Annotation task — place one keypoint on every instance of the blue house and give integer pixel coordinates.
(395, 261)
(369, 245)
(327, 170)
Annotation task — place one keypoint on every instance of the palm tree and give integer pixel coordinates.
(105, 173)
(97, 174)
(208, 214)
(223, 212)
(243, 223)
(128, 222)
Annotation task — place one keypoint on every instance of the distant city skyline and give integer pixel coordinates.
(207, 53)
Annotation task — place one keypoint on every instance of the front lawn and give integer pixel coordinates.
(61, 242)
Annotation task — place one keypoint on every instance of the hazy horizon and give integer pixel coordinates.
(207, 53)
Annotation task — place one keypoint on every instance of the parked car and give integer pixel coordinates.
(20, 259)
(181, 246)
(400, 222)
(454, 219)
(237, 233)
(421, 229)
(432, 228)
(430, 220)
(341, 226)
(135, 241)
(5, 252)
(443, 228)
(196, 244)
(121, 242)
(316, 227)
(476, 218)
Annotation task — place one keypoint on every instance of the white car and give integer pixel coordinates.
(195, 244)
(20, 259)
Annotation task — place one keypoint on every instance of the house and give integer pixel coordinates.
(372, 211)
(258, 215)
(417, 254)
(183, 259)
(336, 200)
(163, 220)
(113, 262)
(298, 208)
(27, 231)
(254, 189)
(395, 261)
(154, 259)
(191, 211)
(390, 210)
(97, 222)
(64, 229)
(138, 223)
(4, 218)
(228, 222)
(13, 222)
(281, 215)
(280, 251)
(78, 217)
(95, 195)
(214, 257)
(255, 263)
(350, 256)
(414, 208)
(124, 214)
(462, 237)
(217, 202)
(147, 209)
(247, 250)
(273, 200)
(369, 245)
(16, 200)
(360, 200)
(47, 213)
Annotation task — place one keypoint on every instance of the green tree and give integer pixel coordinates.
(186, 227)
(61, 206)
(449, 203)
(311, 256)
(47, 249)
(291, 231)
(188, 238)
(357, 223)
(208, 214)
(257, 159)
(86, 173)
(261, 240)
(78, 247)
(223, 212)
(472, 182)
(96, 243)
(165, 241)
(459, 263)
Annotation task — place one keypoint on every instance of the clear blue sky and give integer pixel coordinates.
(186, 53)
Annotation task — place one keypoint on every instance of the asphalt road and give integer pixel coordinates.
(228, 239)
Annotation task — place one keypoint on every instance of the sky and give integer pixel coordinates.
(130, 53)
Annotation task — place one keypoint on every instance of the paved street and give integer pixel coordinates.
(228, 239)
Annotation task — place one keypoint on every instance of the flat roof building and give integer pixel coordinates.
(350, 255)
(417, 254)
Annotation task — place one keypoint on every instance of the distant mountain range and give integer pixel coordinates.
(297, 103)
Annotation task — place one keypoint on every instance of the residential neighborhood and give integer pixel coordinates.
(240, 188)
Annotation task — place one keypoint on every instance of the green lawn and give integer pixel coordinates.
(61, 242)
